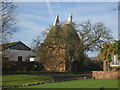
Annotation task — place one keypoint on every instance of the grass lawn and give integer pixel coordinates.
(83, 83)
(18, 80)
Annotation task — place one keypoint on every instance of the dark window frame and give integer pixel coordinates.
(19, 58)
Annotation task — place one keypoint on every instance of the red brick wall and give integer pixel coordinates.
(105, 75)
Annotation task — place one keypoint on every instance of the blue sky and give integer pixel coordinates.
(35, 17)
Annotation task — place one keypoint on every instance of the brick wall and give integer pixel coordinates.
(105, 75)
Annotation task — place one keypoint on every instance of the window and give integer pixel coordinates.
(32, 59)
(19, 58)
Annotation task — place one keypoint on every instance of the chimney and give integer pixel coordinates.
(56, 22)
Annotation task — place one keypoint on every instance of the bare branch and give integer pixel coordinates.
(8, 21)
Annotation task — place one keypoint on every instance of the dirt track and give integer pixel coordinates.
(65, 77)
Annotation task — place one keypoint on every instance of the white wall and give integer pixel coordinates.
(13, 54)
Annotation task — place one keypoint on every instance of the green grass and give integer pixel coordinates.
(18, 80)
(83, 83)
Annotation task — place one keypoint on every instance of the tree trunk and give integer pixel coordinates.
(76, 66)
(68, 67)
(108, 66)
(104, 65)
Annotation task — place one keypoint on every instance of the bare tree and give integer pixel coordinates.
(36, 42)
(93, 36)
(7, 20)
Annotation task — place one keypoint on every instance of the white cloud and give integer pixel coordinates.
(49, 7)
(30, 17)
(30, 26)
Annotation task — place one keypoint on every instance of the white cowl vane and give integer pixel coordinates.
(69, 20)
(56, 22)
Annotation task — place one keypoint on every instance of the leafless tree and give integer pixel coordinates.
(94, 35)
(7, 20)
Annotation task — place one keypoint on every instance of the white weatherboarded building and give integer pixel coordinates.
(115, 62)
(18, 51)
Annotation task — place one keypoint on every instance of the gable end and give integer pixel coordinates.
(20, 46)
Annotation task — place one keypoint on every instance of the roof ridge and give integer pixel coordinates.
(9, 44)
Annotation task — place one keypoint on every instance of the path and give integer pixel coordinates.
(65, 77)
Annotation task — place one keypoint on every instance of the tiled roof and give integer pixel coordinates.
(8, 45)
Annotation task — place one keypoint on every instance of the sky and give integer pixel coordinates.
(34, 17)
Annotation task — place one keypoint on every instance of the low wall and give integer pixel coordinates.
(105, 75)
